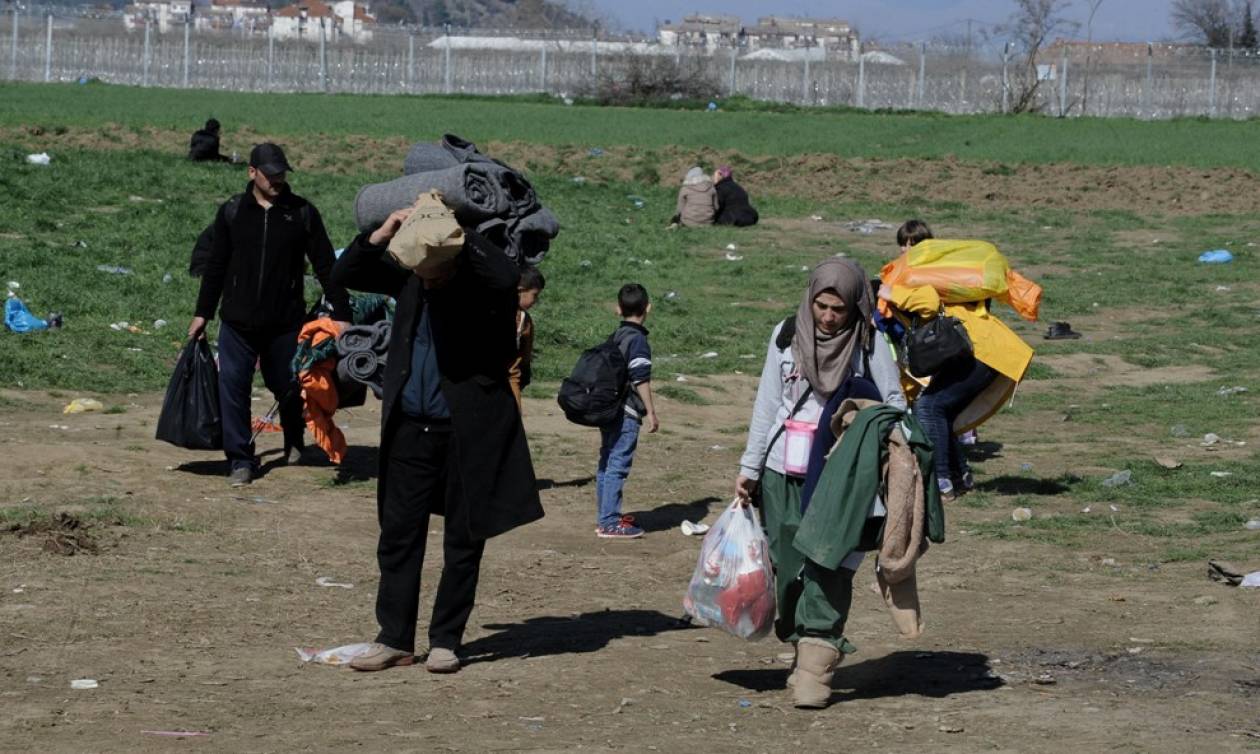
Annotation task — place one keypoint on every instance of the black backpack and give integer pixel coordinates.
(204, 245)
(594, 394)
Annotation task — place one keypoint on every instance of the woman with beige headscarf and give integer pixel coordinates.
(829, 345)
(697, 199)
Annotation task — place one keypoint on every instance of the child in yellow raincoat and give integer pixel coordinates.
(970, 390)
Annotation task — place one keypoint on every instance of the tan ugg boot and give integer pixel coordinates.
(816, 662)
(902, 600)
(791, 679)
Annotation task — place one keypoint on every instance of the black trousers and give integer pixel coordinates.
(417, 482)
(238, 353)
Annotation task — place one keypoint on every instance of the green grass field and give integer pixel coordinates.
(1152, 306)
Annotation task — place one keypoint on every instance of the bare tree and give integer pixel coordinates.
(1212, 22)
(1030, 27)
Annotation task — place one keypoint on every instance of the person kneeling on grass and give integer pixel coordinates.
(827, 351)
(452, 441)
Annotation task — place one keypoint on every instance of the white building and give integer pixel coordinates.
(344, 19)
(162, 15)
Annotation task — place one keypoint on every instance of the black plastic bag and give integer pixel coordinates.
(190, 412)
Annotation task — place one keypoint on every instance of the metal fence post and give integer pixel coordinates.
(861, 82)
(271, 56)
(13, 74)
(144, 77)
(187, 28)
(446, 64)
(805, 80)
(922, 71)
(1006, 81)
(594, 66)
(48, 52)
(542, 68)
(1212, 88)
(411, 61)
(323, 58)
(1063, 85)
(1148, 92)
(731, 93)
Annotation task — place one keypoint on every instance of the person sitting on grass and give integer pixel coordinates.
(619, 440)
(697, 200)
(527, 291)
(204, 145)
(734, 208)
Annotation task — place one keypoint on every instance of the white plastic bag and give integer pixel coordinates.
(732, 587)
(335, 656)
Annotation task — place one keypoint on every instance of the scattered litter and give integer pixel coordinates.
(579, 179)
(158, 324)
(671, 296)
(1119, 479)
(1204, 600)
(82, 406)
(1025, 467)
(1216, 256)
(638, 201)
(709, 355)
(1252, 525)
(1021, 514)
(1114, 508)
(1222, 474)
(83, 684)
(625, 702)
(867, 227)
(1168, 463)
(692, 530)
(584, 263)
(717, 447)
(1226, 392)
(744, 703)
(258, 500)
(1136, 650)
(712, 106)
(816, 218)
(176, 733)
(1045, 679)
(1061, 331)
(680, 378)
(731, 247)
(1226, 573)
(733, 257)
(80, 244)
(1211, 438)
(40, 158)
(1251, 581)
(336, 656)
(326, 581)
(946, 728)
(125, 326)
(596, 152)
(1086, 509)
(167, 278)
(114, 269)
(1110, 562)
(1223, 289)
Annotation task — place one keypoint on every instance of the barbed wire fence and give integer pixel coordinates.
(1141, 81)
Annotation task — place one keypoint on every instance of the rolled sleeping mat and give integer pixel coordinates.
(476, 192)
(380, 339)
(356, 338)
(525, 240)
(449, 152)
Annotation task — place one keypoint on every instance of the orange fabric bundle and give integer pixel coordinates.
(319, 392)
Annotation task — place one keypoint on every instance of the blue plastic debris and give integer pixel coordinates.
(1216, 256)
(19, 319)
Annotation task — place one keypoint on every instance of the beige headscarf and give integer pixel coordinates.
(824, 360)
(694, 176)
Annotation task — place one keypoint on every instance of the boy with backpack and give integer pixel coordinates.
(620, 437)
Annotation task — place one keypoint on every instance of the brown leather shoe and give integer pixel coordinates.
(382, 657)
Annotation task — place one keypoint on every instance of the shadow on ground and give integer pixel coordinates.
(548, 635)
(551, 484)
(931, 674)
(1023, 485)
(671, 515)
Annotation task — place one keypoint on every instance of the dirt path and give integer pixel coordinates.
(189, 612)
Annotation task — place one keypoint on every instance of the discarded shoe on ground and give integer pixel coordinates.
(1061, 331)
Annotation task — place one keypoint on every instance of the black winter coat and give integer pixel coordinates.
(204, 147)
(474, 334)
(734, 208)
(258, 264)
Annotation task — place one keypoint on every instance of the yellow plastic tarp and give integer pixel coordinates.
(964, 271)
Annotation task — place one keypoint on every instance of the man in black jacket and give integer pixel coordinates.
(262, 240)
(204, 145)
(452, 441)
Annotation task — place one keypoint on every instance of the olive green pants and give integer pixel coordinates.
(812, 600)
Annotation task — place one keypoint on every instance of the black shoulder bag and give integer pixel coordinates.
(936, 343)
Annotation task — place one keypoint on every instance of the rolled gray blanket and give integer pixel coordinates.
(380, 343)
(355, 339)
(361, 366)
(524, 239)
(475, 191)
(424, 157)
(375, 380)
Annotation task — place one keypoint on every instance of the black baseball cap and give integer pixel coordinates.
(269, 158)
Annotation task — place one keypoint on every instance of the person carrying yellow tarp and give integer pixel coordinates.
(958, 279)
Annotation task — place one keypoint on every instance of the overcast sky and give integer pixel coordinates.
(898, 20)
